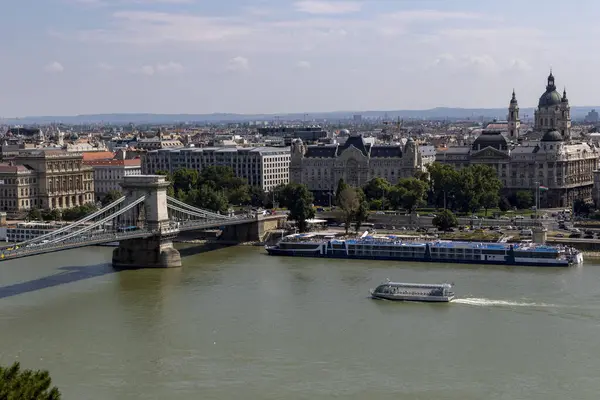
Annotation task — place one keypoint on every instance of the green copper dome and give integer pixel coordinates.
(552, 136)
(549, 99)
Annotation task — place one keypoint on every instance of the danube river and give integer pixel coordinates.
(236, 323)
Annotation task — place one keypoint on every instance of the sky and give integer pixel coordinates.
(70, 57)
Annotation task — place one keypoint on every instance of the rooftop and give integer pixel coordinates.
(136, 162)
(262, 150)
(97, 155)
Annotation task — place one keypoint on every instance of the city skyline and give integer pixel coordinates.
(264, 57)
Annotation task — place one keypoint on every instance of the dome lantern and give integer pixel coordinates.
(550, 97)
(551, 86)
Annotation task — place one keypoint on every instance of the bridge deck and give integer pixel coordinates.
(92, 239)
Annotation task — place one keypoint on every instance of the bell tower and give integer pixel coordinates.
(514, 123)
(564, 120)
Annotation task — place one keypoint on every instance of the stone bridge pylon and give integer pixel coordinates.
(156, 251)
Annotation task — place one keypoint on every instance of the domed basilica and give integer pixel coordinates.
(556, 161)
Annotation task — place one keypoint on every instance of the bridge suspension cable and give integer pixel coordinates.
(96, 224)
(187, 207)
(183, 213)
(74, 224)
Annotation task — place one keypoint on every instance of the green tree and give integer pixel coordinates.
(111, 196)
(422, 176)
(208, 198)
(396, 197)
(349, 202)
(445, 220)
(375, 204)
(26, 384)
(377, 189)
(340, 187)
(258, 197)
(489, 200)
(78, 212)
(239, 195)
(412, 192)
(504, 204)
(442, 183)
(473, 182)
(51, 215)
(220, 177)
(181, 194)
(275, 197)
(581, 207)
(362, 213)
(524, 199)
(34, 215)
(185, 179)
(298, 200)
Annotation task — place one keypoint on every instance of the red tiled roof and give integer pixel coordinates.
(97, 155)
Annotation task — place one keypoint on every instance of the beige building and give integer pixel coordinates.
(266, 167)
(109, 174)
(45, 179)
(320, 167)
(18, 188)
(563, 165)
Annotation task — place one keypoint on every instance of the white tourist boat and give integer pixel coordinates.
(398, 291)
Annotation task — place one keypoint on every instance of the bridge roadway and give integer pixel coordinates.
(87, 239)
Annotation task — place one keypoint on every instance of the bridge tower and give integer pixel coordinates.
(156, 251)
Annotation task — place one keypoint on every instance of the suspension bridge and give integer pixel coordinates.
(144, 222)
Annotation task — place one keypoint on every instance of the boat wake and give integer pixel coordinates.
(498, 303)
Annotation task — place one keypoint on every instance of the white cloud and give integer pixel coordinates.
(106, 67)
(159, 1)
(444, 59)
(258, 11)
(238, 63)
(148, 27)
(125, 2)
(91, 3)
(327, 7)
(147, 70)
(432, 15)
(250, 31)
(304, 65)
(169, 68)
(55, 67)
(518, 64)
(483, 63)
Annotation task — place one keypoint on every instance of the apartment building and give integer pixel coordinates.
(266, 167)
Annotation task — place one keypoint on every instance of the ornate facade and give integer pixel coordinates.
(563, 165)
(45, 179)
(321, 167)
(62, 179)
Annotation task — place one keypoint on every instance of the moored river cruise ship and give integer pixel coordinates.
(395, 248)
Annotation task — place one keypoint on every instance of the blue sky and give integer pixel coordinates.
(66, 57)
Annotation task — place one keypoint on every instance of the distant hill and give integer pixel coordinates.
(439, 113)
